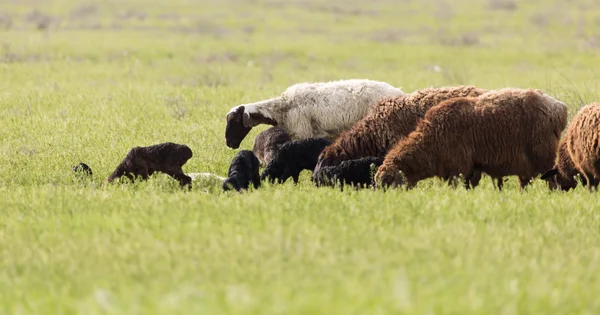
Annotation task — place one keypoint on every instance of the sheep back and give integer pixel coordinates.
(325, 109)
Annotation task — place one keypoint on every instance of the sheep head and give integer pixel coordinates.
(231, 184)
(332, 155)
(556, 179)
(324, 176)
(389, 177)
(238, 126)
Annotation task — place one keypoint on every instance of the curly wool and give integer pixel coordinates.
(579, 151)
(504, 132)
(294, 157)
(357, 173)
(243, 170)
(165, 157)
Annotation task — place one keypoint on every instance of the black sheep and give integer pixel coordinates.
(82, 168)
(165, 157)
(358, 173)
(292, 158)
(243, 170)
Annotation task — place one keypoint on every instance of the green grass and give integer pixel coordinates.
(86, 82)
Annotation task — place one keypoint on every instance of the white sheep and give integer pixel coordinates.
(196, 176)
(306, 110)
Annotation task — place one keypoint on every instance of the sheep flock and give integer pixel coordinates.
(365, 133)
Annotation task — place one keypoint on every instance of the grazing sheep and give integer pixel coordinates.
(309, 110)
(351, 172)
(292, 158)
(243, 170)
(501, 133)
(82, 168)
(165, 157)
(579, 152)
(268, 142)
(390, 120)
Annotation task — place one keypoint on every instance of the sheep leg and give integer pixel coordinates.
(256, 180)
(498, 182)
(452, 181)
(582, 179)
(180, 176)
(290, 172)
(592, 181)
(524, 181)
(473, 180)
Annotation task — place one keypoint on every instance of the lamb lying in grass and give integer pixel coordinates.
(82, 168)
(358, 173)
(268, 142)
(292, 158)
(195, 176)
(243, 170)
(165, 157)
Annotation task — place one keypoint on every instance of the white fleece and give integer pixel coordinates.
(321, 109)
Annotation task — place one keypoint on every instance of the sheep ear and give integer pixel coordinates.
(246, 119)
(550, 173)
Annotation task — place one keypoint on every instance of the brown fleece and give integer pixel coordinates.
(268, 142)
(504, 132)
(390, 120)
(579, 151)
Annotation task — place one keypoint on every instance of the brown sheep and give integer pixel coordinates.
(505, 132)
(389, 121)
(579, 152)
(268, 142)
(165, 157)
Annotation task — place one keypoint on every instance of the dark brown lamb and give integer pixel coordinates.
(501, 133)
(579, 152)
(165, 157)
(268, 142)
(390, 120)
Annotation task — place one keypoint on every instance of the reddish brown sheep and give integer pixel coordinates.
(389, 121)
(502, 133)
(579, 152)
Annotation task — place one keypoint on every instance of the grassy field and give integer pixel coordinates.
(86, 81)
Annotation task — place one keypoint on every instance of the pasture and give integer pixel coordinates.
(86, 81)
